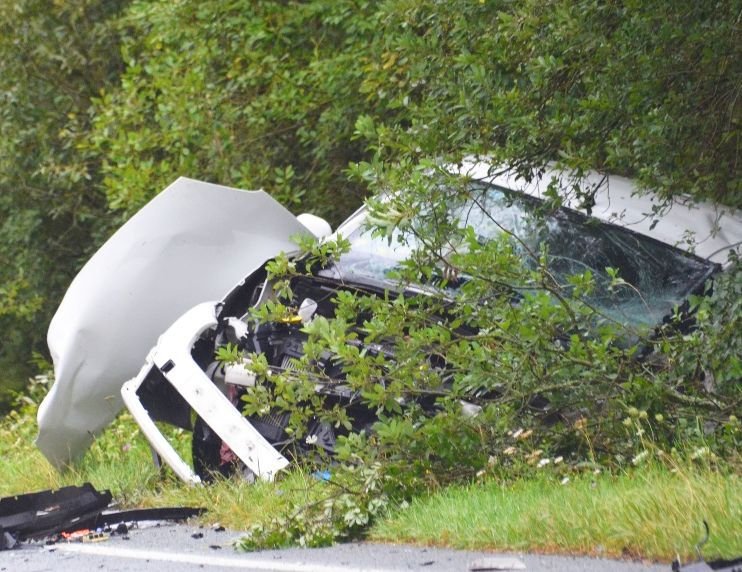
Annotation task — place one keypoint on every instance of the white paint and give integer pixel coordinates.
(193, 242)
(238, 374)
(247, 562)
(203, 396)
(319, 227)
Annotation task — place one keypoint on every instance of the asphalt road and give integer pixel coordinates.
(172, 548)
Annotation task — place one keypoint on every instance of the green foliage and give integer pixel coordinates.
(228, 354)
(718, 337)
(54, 57)
(646, 90)
(253, 94)
(342, 509)
(555, 379)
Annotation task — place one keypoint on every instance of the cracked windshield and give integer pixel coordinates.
(654, 277)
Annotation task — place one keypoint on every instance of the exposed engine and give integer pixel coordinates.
(282, 344)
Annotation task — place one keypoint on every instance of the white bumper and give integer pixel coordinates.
(172, 356)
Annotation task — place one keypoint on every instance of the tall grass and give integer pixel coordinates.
(653, 512)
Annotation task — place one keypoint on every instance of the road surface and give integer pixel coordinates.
(173, 548)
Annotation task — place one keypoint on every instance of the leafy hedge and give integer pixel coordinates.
(54, 59)
(251, 94)
(105, 102)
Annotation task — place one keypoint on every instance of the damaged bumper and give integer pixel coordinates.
(172, 359)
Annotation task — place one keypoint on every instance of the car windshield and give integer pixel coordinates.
(659, 276)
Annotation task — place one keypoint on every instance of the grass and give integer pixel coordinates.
(120, 461)
(653, 512)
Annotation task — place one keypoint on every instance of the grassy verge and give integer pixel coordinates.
(653, 512)
(120, 461)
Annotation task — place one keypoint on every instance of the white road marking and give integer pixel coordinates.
(245, 562)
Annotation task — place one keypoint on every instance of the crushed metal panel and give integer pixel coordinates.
(193, 242)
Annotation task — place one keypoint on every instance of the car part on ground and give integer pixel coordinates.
(35, 515)
(48, 513)
(721, 564)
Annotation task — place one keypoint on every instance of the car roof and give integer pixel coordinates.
(707, 230)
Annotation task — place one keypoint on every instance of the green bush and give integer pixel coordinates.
(556, 381)
(251, 94)
(322, 102)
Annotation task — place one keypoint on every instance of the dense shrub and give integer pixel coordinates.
(54, 58)
(321, 102)
(251, 94)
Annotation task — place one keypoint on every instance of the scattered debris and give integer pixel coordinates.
(42, 514)
(146, 514)
(496, 563)
(85, 535)
(720, 565)
(73, 514)
(733, 565)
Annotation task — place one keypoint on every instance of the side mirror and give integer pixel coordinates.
(318, 226)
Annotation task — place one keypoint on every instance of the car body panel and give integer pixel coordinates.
(709, 231)
(193, 242)
(172, 356)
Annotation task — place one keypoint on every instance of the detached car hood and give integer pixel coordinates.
(193, 242)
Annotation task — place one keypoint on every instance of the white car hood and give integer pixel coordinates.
(193, 242)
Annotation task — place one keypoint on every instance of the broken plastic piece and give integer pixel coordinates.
(496, 563)
(121, 517)
(7, 541)
(74, 512)
(307, 310)
(35, 515)
(734, 565)
(720, 565)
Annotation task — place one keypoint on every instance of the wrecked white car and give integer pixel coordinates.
(166, 271)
